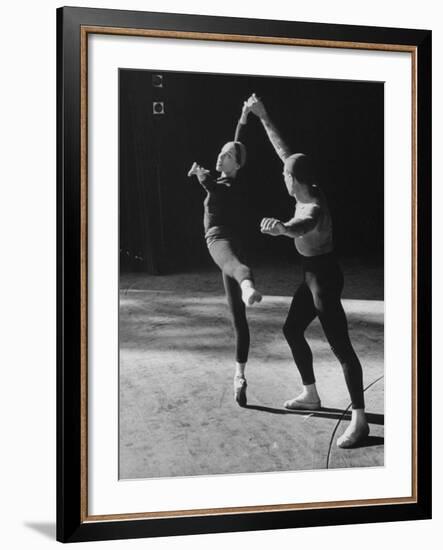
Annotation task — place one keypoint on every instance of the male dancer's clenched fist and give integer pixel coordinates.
(272, 226)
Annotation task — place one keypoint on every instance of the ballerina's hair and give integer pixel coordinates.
(240, 153)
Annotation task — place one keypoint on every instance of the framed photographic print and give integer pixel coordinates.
(244, 274)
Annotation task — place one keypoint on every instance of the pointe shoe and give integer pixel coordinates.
(297, 404)
(251, 296)
(240, 386)
(348, 441)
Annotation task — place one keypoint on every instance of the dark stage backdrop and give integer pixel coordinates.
(340, 123)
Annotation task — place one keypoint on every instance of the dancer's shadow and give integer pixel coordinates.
(324, 412)
(373, 441)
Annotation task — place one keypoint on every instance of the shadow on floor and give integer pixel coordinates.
(324, 412)
(46, 529)
(372, 441)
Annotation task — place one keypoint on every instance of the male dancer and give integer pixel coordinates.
(320, 292)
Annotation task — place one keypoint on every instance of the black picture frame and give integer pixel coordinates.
(73, 523)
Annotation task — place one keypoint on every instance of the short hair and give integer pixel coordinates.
(301, 168)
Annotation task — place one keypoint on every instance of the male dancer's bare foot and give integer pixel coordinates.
(249, 294)
(356, 432)
(308, 400)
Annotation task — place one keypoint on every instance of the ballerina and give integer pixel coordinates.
(223, 215)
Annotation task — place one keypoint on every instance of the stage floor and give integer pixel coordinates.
(177, 413)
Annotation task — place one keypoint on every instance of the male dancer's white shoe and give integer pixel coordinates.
(353, 436)
(301, 405)
(308, 400)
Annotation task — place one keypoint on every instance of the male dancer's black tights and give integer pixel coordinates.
(226, 255)
(319, 295)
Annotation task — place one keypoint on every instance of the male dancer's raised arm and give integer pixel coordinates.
(255, 105)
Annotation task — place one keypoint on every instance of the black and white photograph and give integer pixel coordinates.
(251, 274)
(218, 253)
